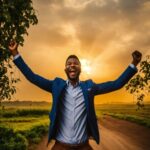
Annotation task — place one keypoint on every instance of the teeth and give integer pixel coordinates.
(72, 70)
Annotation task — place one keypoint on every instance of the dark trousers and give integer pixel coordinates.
(63, 146)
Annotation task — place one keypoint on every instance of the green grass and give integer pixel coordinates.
(31, 120)
(135, 119)
(22, 123)
(23, 112)
(24, 119)
(126, 112)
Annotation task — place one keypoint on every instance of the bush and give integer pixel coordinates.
(24, 112)
(35, 134)
(9, 140)
(32, 112)
(9, 114)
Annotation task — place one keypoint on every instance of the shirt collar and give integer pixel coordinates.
(68, 82)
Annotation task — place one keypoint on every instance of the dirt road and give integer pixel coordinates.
(116, 135)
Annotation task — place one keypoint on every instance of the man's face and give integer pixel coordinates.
(73, 69)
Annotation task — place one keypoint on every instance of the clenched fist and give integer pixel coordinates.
(13, 46)
(137, 56)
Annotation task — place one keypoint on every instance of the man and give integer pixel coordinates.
(73, 119)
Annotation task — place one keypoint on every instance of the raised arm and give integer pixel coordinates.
(110, 86)
(27, 72)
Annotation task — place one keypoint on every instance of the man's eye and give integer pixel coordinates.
(75, 64)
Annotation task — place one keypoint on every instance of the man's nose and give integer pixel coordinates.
(72, 65)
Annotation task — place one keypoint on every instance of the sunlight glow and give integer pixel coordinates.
(86, 68)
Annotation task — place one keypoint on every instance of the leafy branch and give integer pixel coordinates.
(16, 17)
(139, 85)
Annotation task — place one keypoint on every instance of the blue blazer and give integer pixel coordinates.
(89, 89)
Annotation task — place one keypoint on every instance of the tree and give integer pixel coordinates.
(139, 85)
(16, 16)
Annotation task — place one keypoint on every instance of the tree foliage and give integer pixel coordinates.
(139, 85)
(16, 16)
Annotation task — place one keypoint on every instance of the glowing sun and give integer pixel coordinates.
(85, 65)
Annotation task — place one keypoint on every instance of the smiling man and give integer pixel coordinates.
(73, 68)
(73, 118)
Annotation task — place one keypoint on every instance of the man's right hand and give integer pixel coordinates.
(13, 47)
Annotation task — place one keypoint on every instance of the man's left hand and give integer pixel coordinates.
(137, 56)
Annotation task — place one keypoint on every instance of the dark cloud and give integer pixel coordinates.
(130, 6)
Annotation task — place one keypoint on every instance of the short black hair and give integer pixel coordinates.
(72, 56)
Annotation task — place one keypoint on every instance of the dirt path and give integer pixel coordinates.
(116, 135)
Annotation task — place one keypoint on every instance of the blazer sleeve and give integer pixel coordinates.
(32, 77)
(110, 86)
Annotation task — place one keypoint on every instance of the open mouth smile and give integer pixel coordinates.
(72, 72)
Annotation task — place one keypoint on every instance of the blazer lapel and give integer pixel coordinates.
(60, 89)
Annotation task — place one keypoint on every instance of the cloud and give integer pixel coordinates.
(97, 26)
(103, 31)
(105, 28)
(53, 36)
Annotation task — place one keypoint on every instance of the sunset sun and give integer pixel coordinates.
(86, 67)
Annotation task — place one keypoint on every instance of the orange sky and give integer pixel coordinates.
(103, 32)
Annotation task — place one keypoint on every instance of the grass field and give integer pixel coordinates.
(30, 119)
(24, 115)
(127, 112)
(25, 120)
